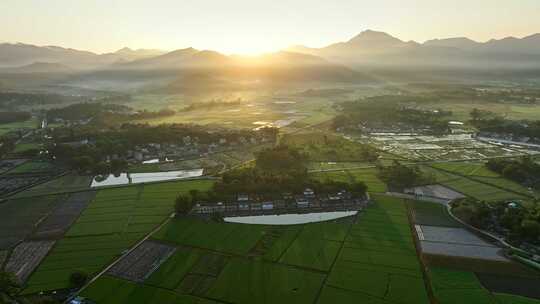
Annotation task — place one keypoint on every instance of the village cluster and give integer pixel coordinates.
(306, 202)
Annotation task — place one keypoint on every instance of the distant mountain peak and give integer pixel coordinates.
(371, 35)
(124, 50)
(533, 36)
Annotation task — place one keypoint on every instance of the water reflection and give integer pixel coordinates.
(136, 178)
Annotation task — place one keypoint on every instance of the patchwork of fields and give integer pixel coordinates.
(476, 187)
(453, 286)
(18, 217)
(369, 258)
(464, 268)
(112, 223)
(64, 183)
(480, 173)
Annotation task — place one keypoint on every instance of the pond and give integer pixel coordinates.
(137, 178)
(289, 219)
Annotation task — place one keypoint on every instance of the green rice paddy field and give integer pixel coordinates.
(369, 258)
(475, 181)
(453, 286)
(112, 223)
(479, 172)
(368, 176)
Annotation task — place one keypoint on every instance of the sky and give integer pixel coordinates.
(255, 26)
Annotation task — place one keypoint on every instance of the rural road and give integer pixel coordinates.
(125, 254)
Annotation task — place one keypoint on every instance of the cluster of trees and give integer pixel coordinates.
(523, 224)
(281, 158)
(145, 114)
(487, 121)
(104, 113)
(128, 135)
(85, 110)
(16, 99)
(524, 171)
(391, 111)
(12, 116)
(87, 159)
(398, 176)
(261, 182)
(278, 170)
(472, 211)
(518, 223)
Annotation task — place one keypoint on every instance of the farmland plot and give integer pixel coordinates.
(8, 164)
(436, 191)
(479, 172)
(456, 242)
(34, 167)
(171, 272)
(229, 238)
(9, 184)
(112, 223)
(524, 286)
(378, 262)
(368, 176)
(431, 214)
(59, 221)
(243, 281)
(375, 261)
(481, 191)
(18, 217)
(467, 169)
(66, 183)
(26, 257)
(110, 290)
(142, 261)
(89, 254)
(452, 286)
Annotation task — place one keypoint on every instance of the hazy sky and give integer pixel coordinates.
(248, 26)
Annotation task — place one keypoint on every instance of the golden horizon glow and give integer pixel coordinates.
(256, 26)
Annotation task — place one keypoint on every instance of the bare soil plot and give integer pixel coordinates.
(10, 184)
(523, 286)
(437, 191)
(464, 251)
(26, 257)
(57, 223)
(142, 261)
(456, 242)
(451, 235)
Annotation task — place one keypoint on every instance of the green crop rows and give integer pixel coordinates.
(370, 257)
(112, 223)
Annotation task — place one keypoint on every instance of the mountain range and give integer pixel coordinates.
(379, 49)
(369, 48)
(361, 60)
(19, 54)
